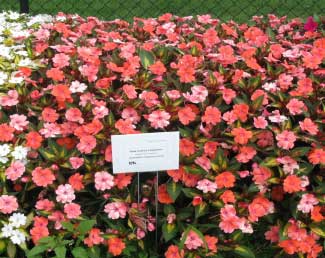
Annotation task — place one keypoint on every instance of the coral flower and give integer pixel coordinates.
(174, 252)
(163, 195)
(286, 140)
(225, 179)
(292, 184)
(242, 135)
(115, 246)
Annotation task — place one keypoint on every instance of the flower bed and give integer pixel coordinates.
(248, 101)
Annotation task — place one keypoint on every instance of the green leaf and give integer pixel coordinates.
(244, 251)
(185, 132)
(11, 250)
(94, 252)
(220, 162)
(169, 231)
(299, 152)
(318, 229)
(195, 170)
(37, 250)
(147, 58)
(68, 225)
(60, 251)
(85, 226)
(257, 103)
(174, 189)
(79, 252)
(201, 209)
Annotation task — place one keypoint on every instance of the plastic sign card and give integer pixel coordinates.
(145, 152)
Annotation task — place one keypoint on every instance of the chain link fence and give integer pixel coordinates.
(237, 10)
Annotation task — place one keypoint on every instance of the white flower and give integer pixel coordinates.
(13, 15)
(7, 230)
(18, 219)
(20, 153)
(17, 237)
(4, 150)
(77, 87)
(270, 86)
(3, 78)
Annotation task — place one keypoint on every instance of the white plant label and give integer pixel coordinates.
(145, 152)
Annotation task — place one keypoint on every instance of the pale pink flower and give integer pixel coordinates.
(116, 210)
(276, 117)
(100, 112)
(295, 106)
(8, 204)
(131, 114)
(103, 181)
(76, 162)
(173, 94)
(19, 122)
(193, 241)
(245, 226)
(199, 94)
(260, 122)
(72, 210)
(50, 130)
(87, 144)
(229, 117)
(15, 171)
(61, 60)
(203, 162)
(286, 140)
(307, 203)
(206, 186)
(9, 100)
(65, 193)
(171, 218)
(309, 126)
(90, 71)
(159, 119)
(289, 164)
(140, 233)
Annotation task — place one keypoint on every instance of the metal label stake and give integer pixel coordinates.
(156, 202)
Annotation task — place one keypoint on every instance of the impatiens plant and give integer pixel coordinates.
(248, 101)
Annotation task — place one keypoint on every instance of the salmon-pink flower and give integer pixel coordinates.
(15, 171)
(317, 156)
(157, 68)
(116, 210)
(131, 114)
(93, 238)
(65, 193)
(45, 205)
(74, 115)
(286, 140)
(273, 234)
(103, 181)
(42, 177)
(246, 153)
(159, 119)
(87, 144)
(228, 95)
(295, 106)
(11, 99)
(8, 204)
(203, 162)
(130, 92)
(173, 94)
(260, 122)
(212, 115)
(186, 115)
(309, 126)
(72, 210)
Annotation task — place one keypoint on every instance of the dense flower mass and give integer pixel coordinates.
(248, 101)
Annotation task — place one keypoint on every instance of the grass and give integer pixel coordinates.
(238, 10)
